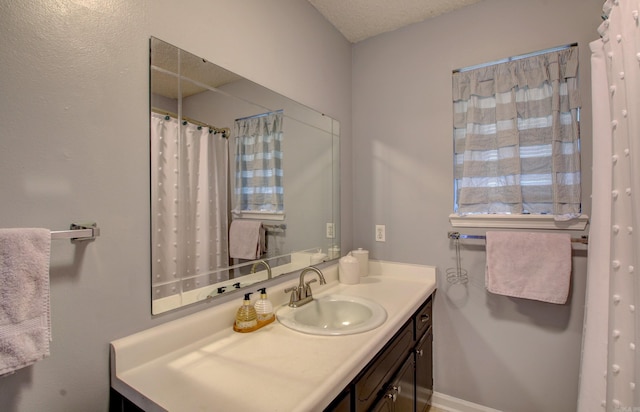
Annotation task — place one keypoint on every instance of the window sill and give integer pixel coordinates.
(258, 215)
(518, 222)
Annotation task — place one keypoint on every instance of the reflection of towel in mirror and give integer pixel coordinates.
(529, 265)
(246, 239)
(25, 326)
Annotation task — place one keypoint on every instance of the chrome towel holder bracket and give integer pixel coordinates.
(78, 232)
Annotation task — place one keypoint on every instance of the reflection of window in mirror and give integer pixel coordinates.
(259, 188)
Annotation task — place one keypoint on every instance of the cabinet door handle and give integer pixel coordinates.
(424, 318)
(393, 393)
(419, 352)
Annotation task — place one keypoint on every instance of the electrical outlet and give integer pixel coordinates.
(331, 231)
(380, 235)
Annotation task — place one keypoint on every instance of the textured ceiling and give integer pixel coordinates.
(360, 19)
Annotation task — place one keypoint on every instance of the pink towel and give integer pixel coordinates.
(529, 265)
(246, 239)
(25, 323)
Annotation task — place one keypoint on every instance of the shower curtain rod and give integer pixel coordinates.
(260, 115)
(225, 131)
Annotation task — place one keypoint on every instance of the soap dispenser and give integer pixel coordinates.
(246, 317)
(264, 309)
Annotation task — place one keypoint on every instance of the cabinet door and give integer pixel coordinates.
(404, 386)
(384, 405)
(424, 371)
(371, 384)
(399, 395)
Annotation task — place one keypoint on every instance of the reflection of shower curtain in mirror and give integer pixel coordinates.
(189, 173)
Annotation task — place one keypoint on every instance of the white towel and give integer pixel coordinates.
(25, 316)
(529, 265)
(246, 239)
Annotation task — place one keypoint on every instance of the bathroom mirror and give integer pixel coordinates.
(200, 114)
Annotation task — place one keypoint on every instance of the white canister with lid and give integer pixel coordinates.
(363, 259)
(349, 270)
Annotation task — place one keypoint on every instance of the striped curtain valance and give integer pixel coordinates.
(258, 177)
(516, 136)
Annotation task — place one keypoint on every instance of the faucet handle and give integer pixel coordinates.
(307, 288)
(295, 296)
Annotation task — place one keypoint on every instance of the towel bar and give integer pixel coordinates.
(457, 235)
(274, 228)
(77, 231)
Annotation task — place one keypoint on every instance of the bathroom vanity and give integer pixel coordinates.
(199, 363)
(400, 376)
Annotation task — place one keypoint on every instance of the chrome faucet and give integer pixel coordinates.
(301, 294)
(261, 262)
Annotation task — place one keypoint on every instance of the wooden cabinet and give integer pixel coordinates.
(342, 403)
(118, 403)
(423, 352)
(424, 371)
(400, 393)
(373, 380)
(400, 376)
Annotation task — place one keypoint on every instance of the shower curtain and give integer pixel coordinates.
(190, 173)
(610, 368)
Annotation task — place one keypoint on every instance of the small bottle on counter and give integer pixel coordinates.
(246, 317)
(264, 309)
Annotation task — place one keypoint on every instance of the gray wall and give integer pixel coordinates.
(74, 146)
(509, 354)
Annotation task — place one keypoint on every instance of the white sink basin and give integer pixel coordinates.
(333, 315)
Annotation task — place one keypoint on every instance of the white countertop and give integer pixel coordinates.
(198, 363)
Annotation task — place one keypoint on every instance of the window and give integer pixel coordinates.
(259, 186)
(516, 136)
